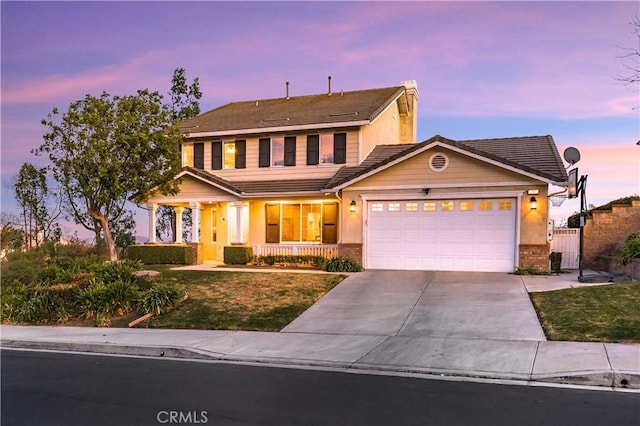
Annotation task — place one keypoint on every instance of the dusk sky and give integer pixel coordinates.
(484, 69)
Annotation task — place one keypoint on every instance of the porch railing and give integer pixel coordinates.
(324, 250)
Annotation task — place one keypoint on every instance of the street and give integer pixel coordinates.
(46, 388)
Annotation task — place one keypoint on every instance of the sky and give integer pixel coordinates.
(484, 69)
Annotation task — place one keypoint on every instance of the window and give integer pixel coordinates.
(466, 206)
(504, 205)
(429, 206)
(302, 222)
(486, 205)
(411, 207)
(393, 207)
(228, 155)
(327, 148)
(277, 151)
(447, 206)
(377, 207)
(187, 155)
(214, 230)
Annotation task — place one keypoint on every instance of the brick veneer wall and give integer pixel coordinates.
(198, 253)
(606, 230)
(352, 251)
(534, 256)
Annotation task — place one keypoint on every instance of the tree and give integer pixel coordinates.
(631, 60)
(107, 150)
(185, 103)
(11, 236)
(185, 99)
(33, 194)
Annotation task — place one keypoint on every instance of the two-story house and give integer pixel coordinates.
(342, 174)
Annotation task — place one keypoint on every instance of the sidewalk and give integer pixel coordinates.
(593, 364)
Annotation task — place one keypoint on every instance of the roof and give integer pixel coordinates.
(536, 155)
(344, 108)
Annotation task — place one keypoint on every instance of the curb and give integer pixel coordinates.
(602, 378)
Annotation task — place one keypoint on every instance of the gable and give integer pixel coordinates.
(461, 170)
(193, 189)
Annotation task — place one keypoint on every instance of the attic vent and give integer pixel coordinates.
(438, 162)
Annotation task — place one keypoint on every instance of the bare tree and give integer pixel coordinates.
(631, 59)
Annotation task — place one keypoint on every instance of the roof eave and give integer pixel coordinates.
(258, 130)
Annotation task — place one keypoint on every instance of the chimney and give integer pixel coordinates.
(329, 93)
(410, 122)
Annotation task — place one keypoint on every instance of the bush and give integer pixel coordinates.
(13, 297)
(238, 255)
(315, 261)
(156, 254)
(161, 298)
(342, 264)
(117, 271)
(116, 298)
(630, 249)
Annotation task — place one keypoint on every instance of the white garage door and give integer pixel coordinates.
(446, 235)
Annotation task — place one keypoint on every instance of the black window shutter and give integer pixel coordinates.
(264, 152)
(272, 223)
(340, 148)
(290, 151)
(330, 223)
(241, 154)
(216, 155)
(313, 149)
(198, 156)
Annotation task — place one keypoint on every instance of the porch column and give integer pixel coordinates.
(153, 209)
(178, 211)
(195, 221)
(239, 206)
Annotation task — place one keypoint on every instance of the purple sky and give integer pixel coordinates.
(484, 69)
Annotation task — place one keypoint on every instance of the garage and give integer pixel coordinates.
(448, 235)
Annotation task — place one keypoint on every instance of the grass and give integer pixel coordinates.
(608, 313)
(241, 300)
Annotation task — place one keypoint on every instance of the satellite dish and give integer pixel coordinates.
(571, 155)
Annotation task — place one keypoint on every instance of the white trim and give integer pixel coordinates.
(452, 148)
(451, 195)
(316, 126)
(222, 188)
(171, 200)
(441, 185)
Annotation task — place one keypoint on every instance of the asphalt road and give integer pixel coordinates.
(41, 388)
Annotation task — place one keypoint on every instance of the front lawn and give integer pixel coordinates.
(608, 313)
(241, 300)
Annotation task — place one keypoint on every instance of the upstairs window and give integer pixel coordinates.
(327, 148)
(228, 155)
(187, 155)
(277, 151)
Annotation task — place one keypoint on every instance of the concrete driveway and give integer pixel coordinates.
(473, 305)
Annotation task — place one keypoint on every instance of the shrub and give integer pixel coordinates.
(93, 300)
(13, 297)
(315, 261)
(117, 271)
(342, 264)
(161, 298)
(238, 255)
(155, 254)
(630, 249)
(53, 274)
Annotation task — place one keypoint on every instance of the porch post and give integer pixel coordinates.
(153, 209)
(195, 221)
(239, 206)
(178, 211)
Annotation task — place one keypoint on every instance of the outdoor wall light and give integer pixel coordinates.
(352, 206)
(533, 203)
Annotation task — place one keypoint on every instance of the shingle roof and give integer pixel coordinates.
(354, 106)
(537, 155)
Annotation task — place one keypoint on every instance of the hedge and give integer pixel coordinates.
(238, 255)
(153, 254)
